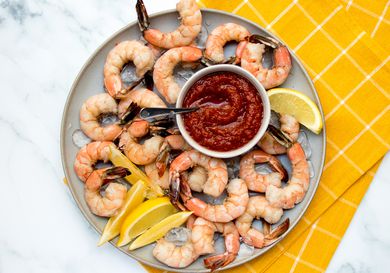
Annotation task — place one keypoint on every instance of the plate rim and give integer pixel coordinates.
(66, 168)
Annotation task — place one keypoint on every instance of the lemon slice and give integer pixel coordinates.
(134, 197)
(143, 217)
(294, 103)
(160, 229)
(119, 159)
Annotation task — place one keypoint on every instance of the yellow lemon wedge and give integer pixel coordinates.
(297, 104)
(160, 229)
(143, 217)
(119, 159)
(134, 197)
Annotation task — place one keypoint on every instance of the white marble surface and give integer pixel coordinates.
(43, 45)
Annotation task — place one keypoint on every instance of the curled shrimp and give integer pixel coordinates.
(252, 56)
(89, 155)
(163, 70)
(256, 181)
(233, 206)
(298, 184)
(289, 126)
(142, 57)
(91, 110)
(258, 207)
(184, 35)
(217, 175)
(115, 193)
(220, 36)
(204, 242)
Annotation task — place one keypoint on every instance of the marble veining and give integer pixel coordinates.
(43, 45)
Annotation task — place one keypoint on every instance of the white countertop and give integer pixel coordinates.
(43, 45)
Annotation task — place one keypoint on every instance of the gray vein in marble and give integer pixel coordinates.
(18, 10)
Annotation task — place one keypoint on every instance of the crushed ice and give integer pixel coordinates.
(304, 141)
(80, 139)
(246, 250)
(179, 235)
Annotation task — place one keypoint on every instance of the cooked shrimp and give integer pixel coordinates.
(142, 97)
(258, 207)
(89, 155)
(184, 35)
(91, 110)
(289, 126)
(124, 52)
(220, 36)
(256, 181)
(115, 193)
(216, 170)
(140, 154)
(233, 206)
(153, 173)
(163, 70)
(251, 60)
(298, 184)
(197, 178)
(175, 256)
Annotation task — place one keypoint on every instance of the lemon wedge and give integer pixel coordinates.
(294, 103)
(119, 159)
(160, 229)
(143, 217)
(134, 197)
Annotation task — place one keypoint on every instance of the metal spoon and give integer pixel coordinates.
(152, 112)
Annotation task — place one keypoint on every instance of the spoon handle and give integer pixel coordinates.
(152, 112)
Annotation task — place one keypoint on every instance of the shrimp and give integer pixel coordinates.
(203, 240)
(87, 157)
(142, 57)
(298, 184)
(220, 36)
(289, 126)
(258, 207)
(91, 110)
(163, 70)
(115, 193)
(153, 173)
(233, 206)
(184, 35)
(142, 97)
(252, 56)
(256, 181)
(217, 175)
(140, 154)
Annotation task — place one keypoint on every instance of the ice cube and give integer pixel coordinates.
(274, 120)
(128, 74)
(108, 119)
(304, 141)
(202, 37)
(233, 167)
(80, 139)
(179, 235)
(263, 168)
(246, 250)
(311, 169)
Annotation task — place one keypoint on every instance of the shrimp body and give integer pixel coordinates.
(185, 34)
(251, 60)
(142, 97)
(298, 184)
(217, 175)
(289, 126)
(115, 193)
(93, 108)
(124, 52)
(233, 206)
(258, 207)
(87, 157)
(163, 70)
(256, 181)
(220, 36)
(175, 256)
(153, 173)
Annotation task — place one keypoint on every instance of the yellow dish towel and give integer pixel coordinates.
(344, 46)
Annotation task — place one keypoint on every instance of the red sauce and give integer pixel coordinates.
(230, 111)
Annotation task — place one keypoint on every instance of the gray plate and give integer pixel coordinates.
(90, 82)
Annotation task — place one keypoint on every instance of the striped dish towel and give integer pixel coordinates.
(344, 47)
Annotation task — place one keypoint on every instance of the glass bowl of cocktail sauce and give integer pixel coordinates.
(234, 111)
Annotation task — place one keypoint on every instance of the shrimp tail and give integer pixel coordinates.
(131, 112)
(218, 261)
(268, 41)
(277, 166)
(114, 173)
(142, 14)
(274, 235)
(280, 137)
(174, 193)
(162, 159)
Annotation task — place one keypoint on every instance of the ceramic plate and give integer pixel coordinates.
(90, 82)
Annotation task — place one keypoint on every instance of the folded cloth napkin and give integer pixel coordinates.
(344, 47)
